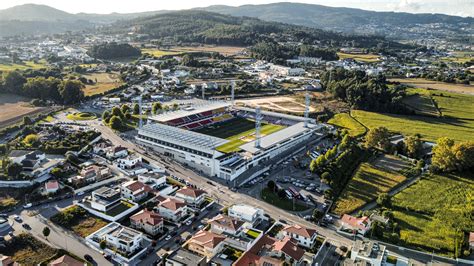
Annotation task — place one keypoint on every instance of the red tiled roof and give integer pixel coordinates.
(290, 248)
(148, 217)
(299, 230)
(66, 260)
(360, 223)
(52, 185)
(226, 221)
(207, 239)
(191, 192)
(172, 204)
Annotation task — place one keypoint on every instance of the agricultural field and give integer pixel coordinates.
(345, 121)
(433, 213)
(421, 102)
(369, 181)
(460, 57)
(159, 53)
(238, 131)
(177, 50)
(367, 58)
(7, 67)
(15, 107)
(456, 121)
(436, 85)
(103, 82)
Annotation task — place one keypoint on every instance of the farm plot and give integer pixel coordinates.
(13, 108)
(369, 181)
(367, 58)
(436, 85)
(345, 121)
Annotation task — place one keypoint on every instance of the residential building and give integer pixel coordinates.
(91, 174)
(305, 237)
(129, 162)
(191, 196)
(148, 221)
(116, 152)
(173, 209)
(225, 224)
(152, 179)
(183, 257)
(123, 238)
(104, 198)
(368, 252)
(134, 190)
(51, 186)
(206, 243)
(66, 260)
(245, 213)
(359, 225)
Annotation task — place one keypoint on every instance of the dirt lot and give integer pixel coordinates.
(13, 108)
(437, 85)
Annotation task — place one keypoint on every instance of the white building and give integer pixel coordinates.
(245, 213)
(191, 196)
(305, 237)
(152, 179)
(104, 199)
(134, 190)
(172, 209)
(129, 162)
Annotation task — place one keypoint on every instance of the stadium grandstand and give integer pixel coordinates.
(220, 140)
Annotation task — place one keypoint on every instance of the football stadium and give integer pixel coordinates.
(226, 141)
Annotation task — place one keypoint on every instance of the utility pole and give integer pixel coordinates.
(306, 110)
(258, 125)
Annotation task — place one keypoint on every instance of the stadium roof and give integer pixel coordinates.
(182, 137)
(278, 137)
(275, 114)
(197, 107)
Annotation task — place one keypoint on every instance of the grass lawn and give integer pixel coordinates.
(286, 204)
(429, 211)
(48, 119)
(253, 234)
(119, 208)
(368, 182)
(81, 116)
(7, 67)
(367, 58)
(27, 250)
(345, 121)
(238, 131)
(456, 122)
(103, 82)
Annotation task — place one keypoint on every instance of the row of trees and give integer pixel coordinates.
(44, 88)
(363, 92)
(113, 50)
(278, 53)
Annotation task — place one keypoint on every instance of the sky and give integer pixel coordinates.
(450, 7)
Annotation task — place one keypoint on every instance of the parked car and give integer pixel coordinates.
(28, 205)
(88, 258)
(17, 218)
(168, 237)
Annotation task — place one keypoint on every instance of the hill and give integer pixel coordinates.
(349, 20)
(33, 12)
(213, 28)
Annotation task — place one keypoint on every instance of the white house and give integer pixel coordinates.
(104, 198)
(134, 190)
(153, 180)
(51, 186)
(149, 221)
(116, 152)
(191, 196)
(123, 238)
(129, 162)
(360, 225)
(304, 236)
(173, 209)
(245, 213)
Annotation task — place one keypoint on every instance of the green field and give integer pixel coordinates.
(238, 131)
(7, 67)
(81, 116)
(433, 213)
(456, 122)
(420, 101)
(159, 53)
(369, 181)
(367, 58)
(286, 204)
(345, 121)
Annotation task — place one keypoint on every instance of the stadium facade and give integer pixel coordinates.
(173, 134)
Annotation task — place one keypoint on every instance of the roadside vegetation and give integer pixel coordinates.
(78, 220)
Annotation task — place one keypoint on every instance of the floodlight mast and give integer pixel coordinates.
(258, 125)
(306, 110)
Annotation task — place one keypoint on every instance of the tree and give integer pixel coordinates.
(464, 153)
(136, 109)
(157, 106)
(378, 138)
(317, 214)
(14, 169)
(103, 244)
(413, 146)
(13, 81)
(27, 120)
(46, 231)
(71, 91)
(325, 176)
(271, 185)
(3, 149)
(31, 140)
(125, 108)
(117, 112)
(443, 157)
(384, 200)
(106, 116)
(116, 122)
